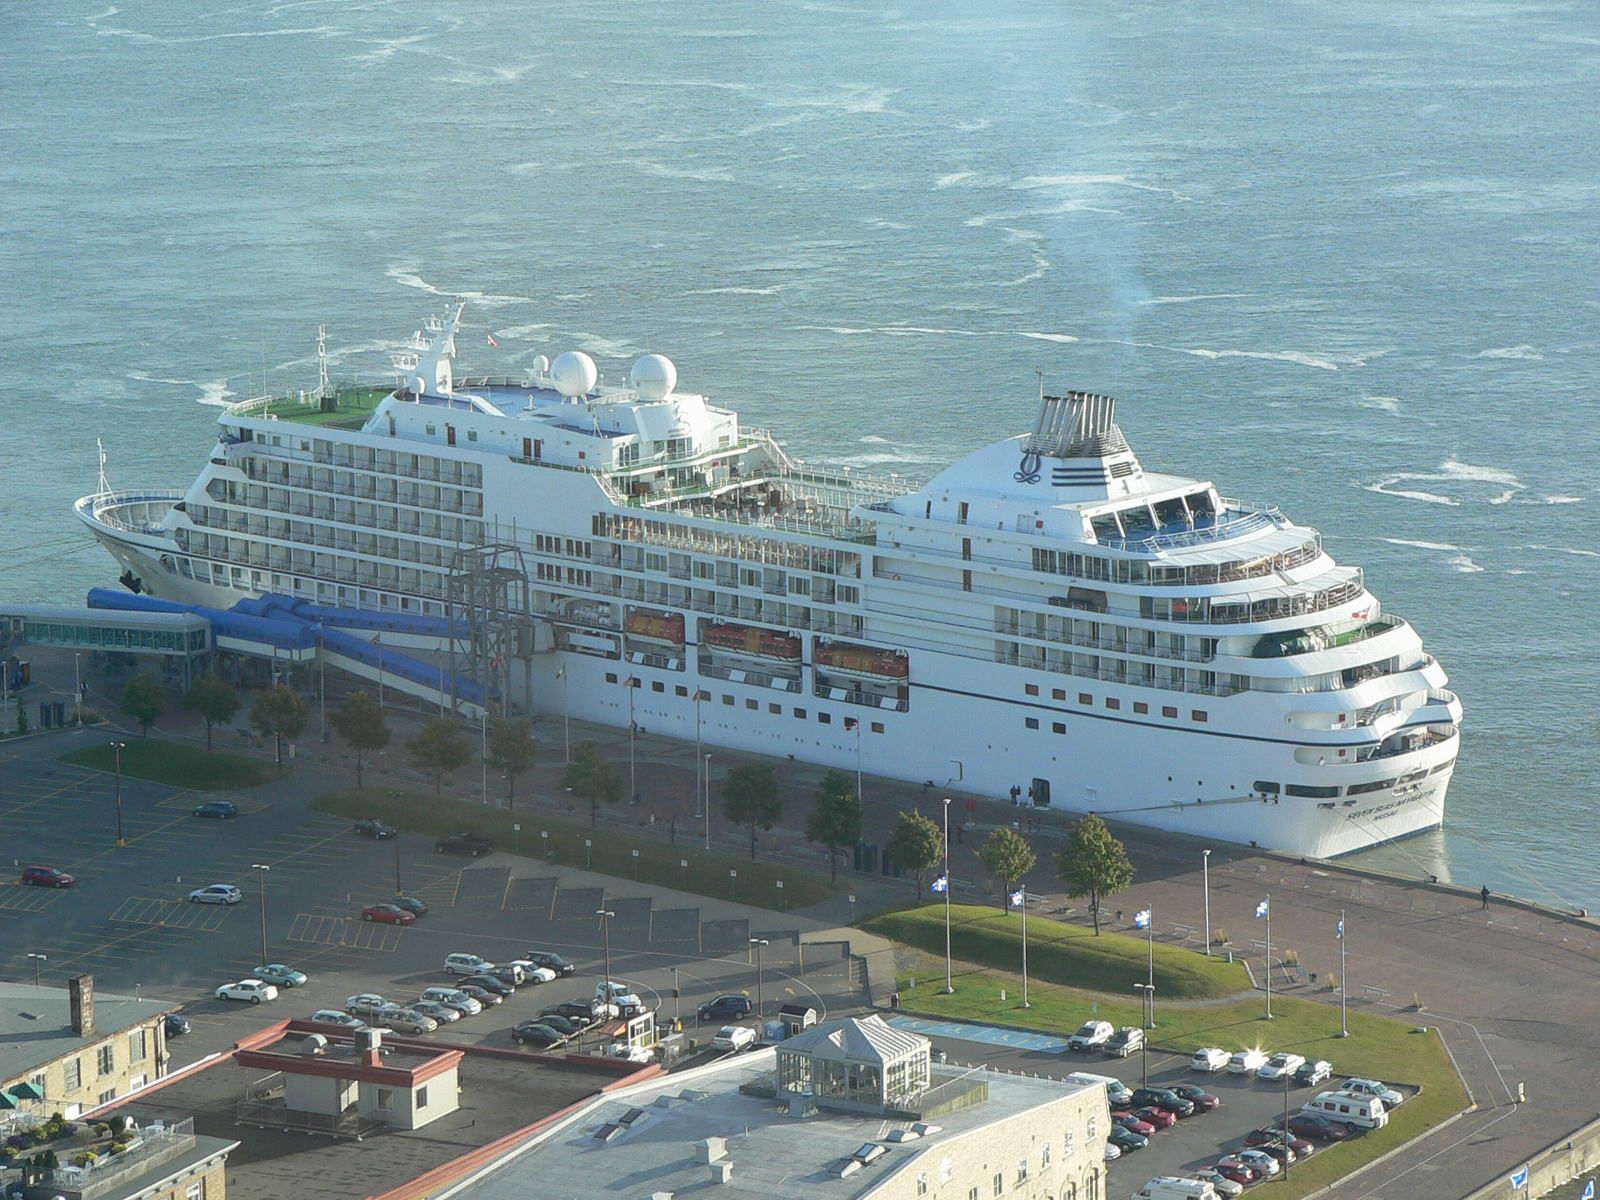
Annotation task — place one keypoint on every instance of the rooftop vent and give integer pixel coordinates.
(721, 1171)
(1077, 425)
(712, 1149)
(691, 1095)
(923, 1129)
(313, 1043)
(846, 1167)
(608, 1132)
(903, 1135)
(869, 1153)
(632, 1118)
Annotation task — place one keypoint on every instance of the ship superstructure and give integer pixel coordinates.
(1044, 614)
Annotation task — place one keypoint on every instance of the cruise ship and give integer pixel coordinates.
(1044, 619)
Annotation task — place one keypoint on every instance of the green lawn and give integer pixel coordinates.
(176, 764)
(611, 854)
(1065, 953)
(1377, 1046)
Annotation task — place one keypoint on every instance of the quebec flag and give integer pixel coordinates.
(1141, 919)
(1339, 932)
(941, 884)
(1263, 908)
(1588, 1191)
(1017, 898)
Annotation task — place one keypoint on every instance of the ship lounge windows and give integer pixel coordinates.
(1315, 793)
(1380, 785)
(1169, 711)
(1030, 722)
(1266, 789)
(1443, 767)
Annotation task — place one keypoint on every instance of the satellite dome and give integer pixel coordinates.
(539, 367)
(654, 376)
(574, 373)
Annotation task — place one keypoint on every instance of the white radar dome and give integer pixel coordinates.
(654, 376)
(539, 367)
(574, 373)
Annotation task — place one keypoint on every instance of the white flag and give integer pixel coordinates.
(1262, 908)
(1141, 919)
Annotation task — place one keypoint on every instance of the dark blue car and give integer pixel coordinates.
(726, 1006)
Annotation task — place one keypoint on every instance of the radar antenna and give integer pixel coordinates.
(324, 388)
(104, 485)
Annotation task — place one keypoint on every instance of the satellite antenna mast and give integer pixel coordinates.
(324, 389)
(104, 484)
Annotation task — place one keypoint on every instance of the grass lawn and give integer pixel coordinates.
(1377, 1046)
(1058, 951)
(176, 764)
(612, 853)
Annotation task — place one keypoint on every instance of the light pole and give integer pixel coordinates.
(483, 749)
(699, 749)
(398, 891)
(605, 915)
(633, 737)
(708, 802)
(759, 944)
(1205, 875)
(1150, 943)
(38, 966)
(1147, 995)
(263, 868)
(1344, 1028)
(566, 714)
(1289, 1157)
(118, 748)
(1021, 898)
(949, 984)
(77, 686)
(1266, 911)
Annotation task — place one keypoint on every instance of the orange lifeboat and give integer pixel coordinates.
(664, 629)
(752, 640)
(866, 662)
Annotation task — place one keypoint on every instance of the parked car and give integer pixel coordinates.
(388, 914)
(174, 1025)
(584, 1012)
(1202, 1100)
(467, 964)
(1118, 1094)
(1220, 1183)
(441, 1013)
(1128, 1121)
(1312, 1126)
(411, 904)
(252, 990)
(561, 1024)
(1165, 1099)
(482, 995)
(464, 843)
(1278, 1150)
(1112, 1152)
(726, 1006)
(1159, 1117)
(511, 973)
(537, 1033)
(619, 995)
(1264, 1165)
(532, 972)
(280, 975)
(366, 1004)
(455, 998)
(1375, 1088)
(1246, 1062)
(47, 877)
(1125, 1041)
(1126, 1139)
(220, 810)
(374, 828)
(1362, 1112)
(733, 1037)
(1280, 1064)
(1212, 1058)
(404, 1020)
(332, 1016)
(1314, 1072)
(1235, 1171)
(1301, 1147)
(489, 984)
(216, 893)
(1091, 1034)
(548, 958)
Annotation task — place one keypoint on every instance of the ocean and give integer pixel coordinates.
(1337, 256)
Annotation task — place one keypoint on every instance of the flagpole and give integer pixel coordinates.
(1150, 943)
(1025, 1003)
(378, 638)
(1268, 903)
(949, 985)
(1344, 1029)
(566, 715)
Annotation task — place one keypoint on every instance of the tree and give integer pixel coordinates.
(359, 721)
(915, 844)
(142, 700)
(280, 714)
(1094, 864)
(591, 778)
(510, 750)
(750, 797)
(215, 699)
(1009, 857)
(836, 820)
(439, 749)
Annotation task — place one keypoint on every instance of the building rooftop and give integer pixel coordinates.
(502, 1092)
(36, 1023)
(658, 1130)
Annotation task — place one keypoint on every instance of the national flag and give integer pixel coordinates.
(1141, 919)
(375, 638)
(851, 723)
(561, 672)
(1339, 931)
(1362, 615)
(1588, 1191)
(1018, 898)
(1264, 907)
(1519, 1178)
(941, 884)
(490, 338)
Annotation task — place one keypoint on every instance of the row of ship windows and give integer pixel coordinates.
(368, 458)
(1134, 571)
(823, 718)
(344, 484)
(379, 545)
(727, 545)
(222, 575)
(1119, 670)
(1169, 711)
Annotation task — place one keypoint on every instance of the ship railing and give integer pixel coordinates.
(103, 508)
(1249, 522)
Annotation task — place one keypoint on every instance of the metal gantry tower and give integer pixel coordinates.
(487, 597)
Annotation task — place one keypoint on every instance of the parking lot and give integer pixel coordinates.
(1190, 1145)
(127, 920)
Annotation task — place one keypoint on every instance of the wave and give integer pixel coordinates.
(723, 85)
(1293, 356)
(98, 17)
(521, 331)
(604, 346)
(1385, 487)
(1464, 564)
(404, 275)
(850, 98)
(738, 291)
(1041, 261)
(1055, 210)
(1451, 471)
(215, 393)
(663, 171)
(971, 179)
(876, 440)
(1524, 351)
(1420, 545)
(1388, 404)
(1047, 337)
(1193, 299)
(1563, 499)
(134, 35)
(1036, 182)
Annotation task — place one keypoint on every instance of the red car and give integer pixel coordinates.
(47, 877)
(1312, 1126)
(1157, 1117)
(1202, 1100)
(1236, 1171)
(1301, 1147)
(1132, 1123)
(389, 914)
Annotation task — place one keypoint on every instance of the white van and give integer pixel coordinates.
(1364, 1112)
(1170, 1187)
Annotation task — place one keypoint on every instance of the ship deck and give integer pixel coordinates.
(352, 406)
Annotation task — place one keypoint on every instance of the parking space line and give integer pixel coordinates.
(344, 932)
(28, 899)
(171, 914)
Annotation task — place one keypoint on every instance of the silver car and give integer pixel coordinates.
(404, 1020)
(443, 1014)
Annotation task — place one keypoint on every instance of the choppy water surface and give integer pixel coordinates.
(1338, 256)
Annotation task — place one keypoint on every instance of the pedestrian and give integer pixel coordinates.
(1485, 894)
(1119, 916)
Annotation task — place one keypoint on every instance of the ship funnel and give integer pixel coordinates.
(1077, 425)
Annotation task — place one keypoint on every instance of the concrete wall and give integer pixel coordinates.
(407, 1108)
(317, 1093)
(1558, 1163)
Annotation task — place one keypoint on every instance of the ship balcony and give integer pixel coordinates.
(1237, 519)
(1411, 740)
(139, 512)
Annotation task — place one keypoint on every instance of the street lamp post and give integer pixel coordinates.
(398, 891)
(38, 966)
(949, 984)
(566, 715)
(118, 748)
(77, 685)
(1205, 869)
(605, 915)
(1344, 1027)
(708, 802)
(263, 868)
(759, 944)
(1147, 994)
(633, 737)
(699, 749)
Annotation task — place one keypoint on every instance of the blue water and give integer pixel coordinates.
(1341, 256)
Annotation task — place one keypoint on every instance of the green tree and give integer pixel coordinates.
(1094, 864)
(280, 714)
(915, 844)
(836, 820)
(1009, 857)
(510, 750)
(590, 777)
(359, 721)
(215, 699)
(439, 748)
(142, 700)
(750, 797)
(22, 717)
